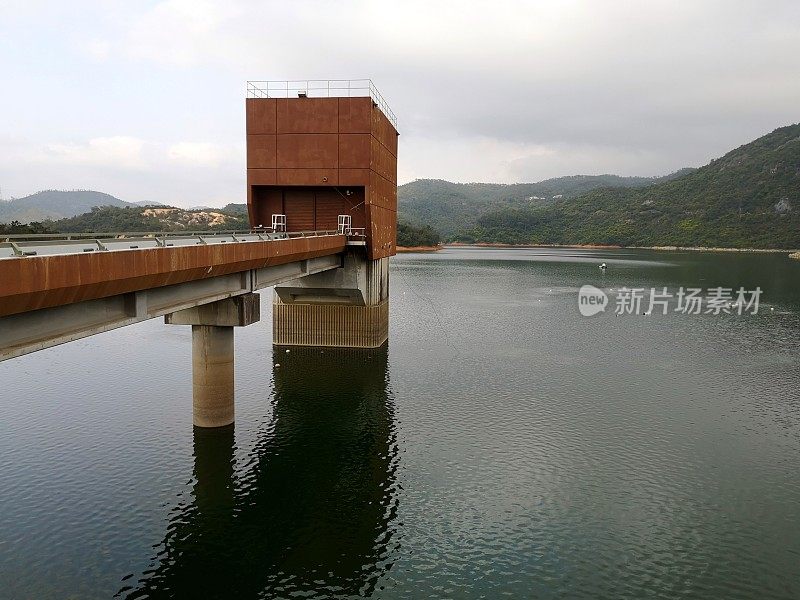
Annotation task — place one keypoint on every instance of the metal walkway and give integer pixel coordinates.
(21, 245)
(54, 289)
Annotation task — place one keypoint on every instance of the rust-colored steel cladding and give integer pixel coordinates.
(35, 282)
(347, 144)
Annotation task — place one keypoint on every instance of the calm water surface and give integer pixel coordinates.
(501, 445)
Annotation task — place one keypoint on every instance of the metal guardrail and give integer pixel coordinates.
(22, 245)
(321, 88)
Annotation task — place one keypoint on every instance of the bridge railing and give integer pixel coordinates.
(21, 245)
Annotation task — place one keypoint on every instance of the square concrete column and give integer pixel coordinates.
(213, 354)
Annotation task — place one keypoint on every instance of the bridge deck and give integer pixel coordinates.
(48, 273)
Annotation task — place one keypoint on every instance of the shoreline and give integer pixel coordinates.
(791, 252)
(402, 249)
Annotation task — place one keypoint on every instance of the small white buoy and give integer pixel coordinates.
(604, 266)
(277, 364)
(287, 351)
(772, 308)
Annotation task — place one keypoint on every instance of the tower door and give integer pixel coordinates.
(330, 205)
(299, 207)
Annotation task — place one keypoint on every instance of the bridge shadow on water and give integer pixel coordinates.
(311, 511)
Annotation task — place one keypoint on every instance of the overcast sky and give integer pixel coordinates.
(145, 100)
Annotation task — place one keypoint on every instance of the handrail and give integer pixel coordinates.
(321, 88)
(24, 245)
(151, 234)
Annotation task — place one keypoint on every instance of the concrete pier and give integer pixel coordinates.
(212, 354)
(212, 376)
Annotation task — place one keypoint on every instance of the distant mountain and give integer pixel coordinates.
(54, 204)
(146, 203)
(452, 207)
(748, 198)
(235, 208)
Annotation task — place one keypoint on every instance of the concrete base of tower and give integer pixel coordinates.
(338, 325)
(346, 307)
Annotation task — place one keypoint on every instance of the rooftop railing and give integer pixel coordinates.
(319, 88)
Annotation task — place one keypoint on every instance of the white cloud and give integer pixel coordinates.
(182, 32)
(201, 154)
(118, 151)
(479, 158)
(98, 50)
(182, 173)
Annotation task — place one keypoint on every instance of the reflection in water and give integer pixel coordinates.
(311, 511)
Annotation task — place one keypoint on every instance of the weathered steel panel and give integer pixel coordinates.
(266, 201)
(382, 161)
(354, 150)
(355, 115)
(290, 177)
(384, 131)
(262, 176)
(37, 282)
(382, 192)
(308, 150)
(261, 151)
(261, 115)
(382, 232)
(307, 115)
(385, 164)
(353, 177)
(329, 204)
(298, 204)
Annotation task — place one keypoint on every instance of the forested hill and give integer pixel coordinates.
(136, 218)
(54, 204)
(452, 207)
(59, 204)
(748, 198)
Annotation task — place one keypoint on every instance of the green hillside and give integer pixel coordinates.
(161, 218)
(135, 218)
(452, 207)
(54, 204)
(748, 198)
(411, 236)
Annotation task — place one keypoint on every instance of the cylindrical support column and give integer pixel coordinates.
(212, 375)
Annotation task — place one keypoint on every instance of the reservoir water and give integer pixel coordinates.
(501, 445)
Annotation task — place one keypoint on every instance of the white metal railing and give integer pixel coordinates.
(344, 223)
(22, 245)
(344, 226)
(278, 222)
(321, 88)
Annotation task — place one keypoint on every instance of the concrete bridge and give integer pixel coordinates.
(321, 173)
